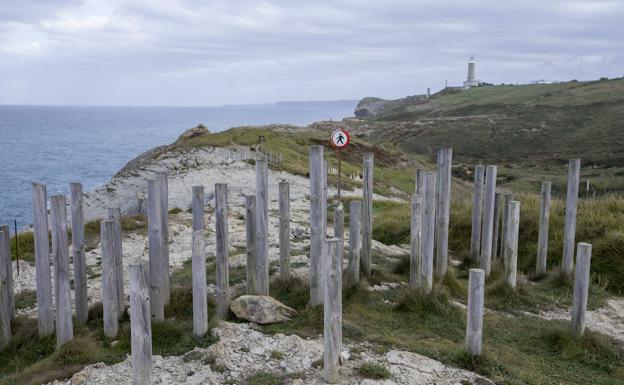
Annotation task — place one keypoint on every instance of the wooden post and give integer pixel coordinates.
(9, 268)
(140, 324)
(78, 246)
(339, 221)
(367, 214)
(355, 241)
(5, 302)
(420, 180)
(445, 160)
(488, 220)
(574, 173)
(498, 197)
(581, 288)
(415, 242)
(200, 304)
(45, 311)
(223, 272)
(504, 221)
(317, 235)
(155, 245)
(284, 229)
(262, 225)
(60, 251)
(197, 206)
(511, 247)
(477, 213)
(474, 316)
(542, 241)
(332, 312)
(250, 231)
(428, 233)
(109, 279)
(114, 214)
(164, 206)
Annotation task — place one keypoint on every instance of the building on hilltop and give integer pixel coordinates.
(471, 80)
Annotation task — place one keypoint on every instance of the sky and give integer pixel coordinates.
(207, 53)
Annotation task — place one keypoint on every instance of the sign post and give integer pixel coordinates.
(340, 140)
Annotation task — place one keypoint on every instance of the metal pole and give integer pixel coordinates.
(16, 248)
(339, 173)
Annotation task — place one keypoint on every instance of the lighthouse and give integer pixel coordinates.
(471, 80)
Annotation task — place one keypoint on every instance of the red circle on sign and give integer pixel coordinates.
(338, 141)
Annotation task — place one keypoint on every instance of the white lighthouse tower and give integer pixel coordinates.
(471, 81)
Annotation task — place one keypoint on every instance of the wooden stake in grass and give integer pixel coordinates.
(477, 213)
(332, 312)
(574, 173)
(164, 217)
(250, 232)
(420, 181)
(114, 214)
(445, 160)
(367, 213)
(5, 303)
(45, 311)
(78, 246)
(488, 220)
(109, 279)
(415, 242)
(262, 227)
(200, 304)
(140, 324)
(542, 241)
(428, 233)
(197, 207)
(317, 236)
(155, 245)
(498, 198)
(284, 229)
(581, 288)
(60, 251)
(511, 249)
(223, 270)
(474, 315)
(355, 241)
(9, 268)
(504, 221)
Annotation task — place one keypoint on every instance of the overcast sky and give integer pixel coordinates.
(201, 52)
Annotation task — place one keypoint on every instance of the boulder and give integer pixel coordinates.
(191, 133)
(261, 309)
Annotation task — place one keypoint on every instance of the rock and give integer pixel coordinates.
(194, 355)
(377, 382)
(261, 309)
(344, 356)
(194, 132)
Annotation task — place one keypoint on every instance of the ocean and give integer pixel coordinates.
(59, 145)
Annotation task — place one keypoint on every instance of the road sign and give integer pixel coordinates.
(340, 139)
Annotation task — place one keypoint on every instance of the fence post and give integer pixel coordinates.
(78, 246)
(496, 230)
(5, 302)
(114, 214)
(477, 213)
(164, 206)
(511, 247)
(262, 223)
(415, 242)
(367, 213)
(445, 160)
(332, 311)
(197, 207)
(284, 229)
(355, 241)
(140, 324)
(250, 232)
(45, 319)
(504, 221)
(488, 220)
(581, 288)
(109, 279)
(339, 222)
(428, 232)
(60, 250)
(200, 304)
(9, 269)
(317, 236)
(155, 244)
(574, 173)
(474, 321)
(420, 180)
(542, 241)
(223, 272)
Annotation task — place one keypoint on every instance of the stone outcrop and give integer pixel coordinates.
(261, 309)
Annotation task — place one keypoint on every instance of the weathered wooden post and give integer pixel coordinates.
(109, 279)
(9, 268)
(415, 242)
(355, 241)
(140, 324)
(367, 214)
(284, 229)
(60, 251)
(200, 304)
(164, 217)
(5, 302)
(332, 312)
(114, 214)
(45, 311)
(511, 247)
(542, 241)
(488, 220)
(477, 213)
(339, 221)
(498, 197)
(317, 230)
(420, 180)
(581, 288)
(197, 207)
(155, 245)
(262, 226)
(250, 232)
(428, 233)
(445, 160)
(223, 270)
(474, 315)
(504, 221)
(78, 246)
(574, 173)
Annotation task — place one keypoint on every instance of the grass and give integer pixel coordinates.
(264, 378)
(25, 299)
(374, 371)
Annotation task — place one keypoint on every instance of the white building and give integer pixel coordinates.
(471, 80)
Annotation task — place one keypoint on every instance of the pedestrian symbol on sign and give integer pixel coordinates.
(340, 139)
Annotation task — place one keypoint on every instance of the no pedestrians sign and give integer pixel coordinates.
(340, 139)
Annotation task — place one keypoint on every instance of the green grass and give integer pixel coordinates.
(25, 299)
(373, 370)
(264, 378)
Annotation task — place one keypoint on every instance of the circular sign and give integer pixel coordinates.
(340, 139)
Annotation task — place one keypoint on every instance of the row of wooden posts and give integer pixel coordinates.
(149, 280)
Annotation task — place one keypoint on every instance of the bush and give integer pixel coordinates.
(374, 370)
